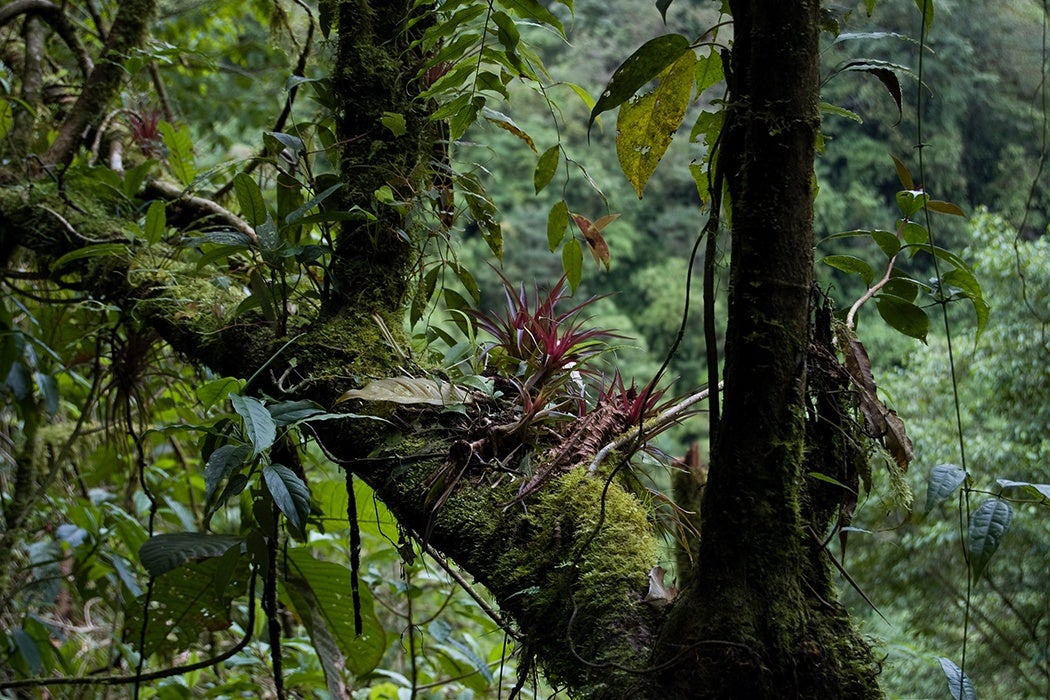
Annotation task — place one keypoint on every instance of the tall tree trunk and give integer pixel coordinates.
(757, 620)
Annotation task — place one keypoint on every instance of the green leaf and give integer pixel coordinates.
(395, 122)
(988, 524)
(533, 10)
(259, 428)
(217, 390)
(222, 462)
(884, 72)
(911, 201)
(967, 284)
(888, 241)
(829, 108)
(852, 265)
(926, 8)
(646, 126)
(507, 33)
(180, 151)
(162, 553)
(290, 493)
(546, 167)
(156, 223)
(1040, 491)
(944, 479)
(959, 684)
(914, 234)
(27, 647)
(662, 6)
(320, 593)
(250, 197)
(572, 262)
(903, 316)
(557, 223)
(95, 250)
(640, 67)
(709, 71)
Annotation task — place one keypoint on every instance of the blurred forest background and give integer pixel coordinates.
(984, 126)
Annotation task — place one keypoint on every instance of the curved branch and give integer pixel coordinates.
(104, 82)
(198, 207)
(53, 15)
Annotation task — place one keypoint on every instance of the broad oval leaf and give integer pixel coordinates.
(959, 684)
(546, 168)
(259, 427)
(944, 479)
(853, 265)
(640, 67)
(221, 463)
(293, 412)
(903, 316)
(646, 126)
(290, 493)
(162, 553)
(988, 524)
(1041, 491)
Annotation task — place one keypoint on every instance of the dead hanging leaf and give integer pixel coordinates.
(592, 233)
(897, 442)
(409, 390)
(658, 592)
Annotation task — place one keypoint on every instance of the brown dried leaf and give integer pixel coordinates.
(592, 233)
(897, 441)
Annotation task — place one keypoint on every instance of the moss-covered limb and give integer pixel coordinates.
(100, 89)
(375, 73)
(577, 599)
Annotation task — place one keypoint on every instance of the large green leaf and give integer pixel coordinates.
(249, 196)
(903, 316)
(259, 427)
(988, 524)
(190, 600)
(557, 223)
(572, 262)
(290, 494)
(646, 126)
(852, 265)
(163, 553)
(180, 151)
(546, 167)
(944, 479)
(959, 684)
(640, 67)
(320, 594)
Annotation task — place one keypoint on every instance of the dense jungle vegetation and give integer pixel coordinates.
(313, 390)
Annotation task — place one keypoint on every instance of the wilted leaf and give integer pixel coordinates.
(657, 590)
(592, 233)
(409, 390)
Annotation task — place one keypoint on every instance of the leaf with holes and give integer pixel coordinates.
(944, 479)
(290, 494)
(988, 524)
(640, 67)
(646, 126)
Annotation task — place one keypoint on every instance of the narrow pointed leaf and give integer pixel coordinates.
(546, 168)
(259, 428)
(572, 262)
(291, 495)
(557, 223)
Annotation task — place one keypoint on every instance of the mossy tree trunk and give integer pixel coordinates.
(759, 618)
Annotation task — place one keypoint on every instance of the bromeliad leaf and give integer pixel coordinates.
(290, 494)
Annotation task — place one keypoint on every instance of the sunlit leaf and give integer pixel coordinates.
(645, 126)
(640, 67)
(988, 524)
(395, 122)
(852, 265)
(949, 208)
